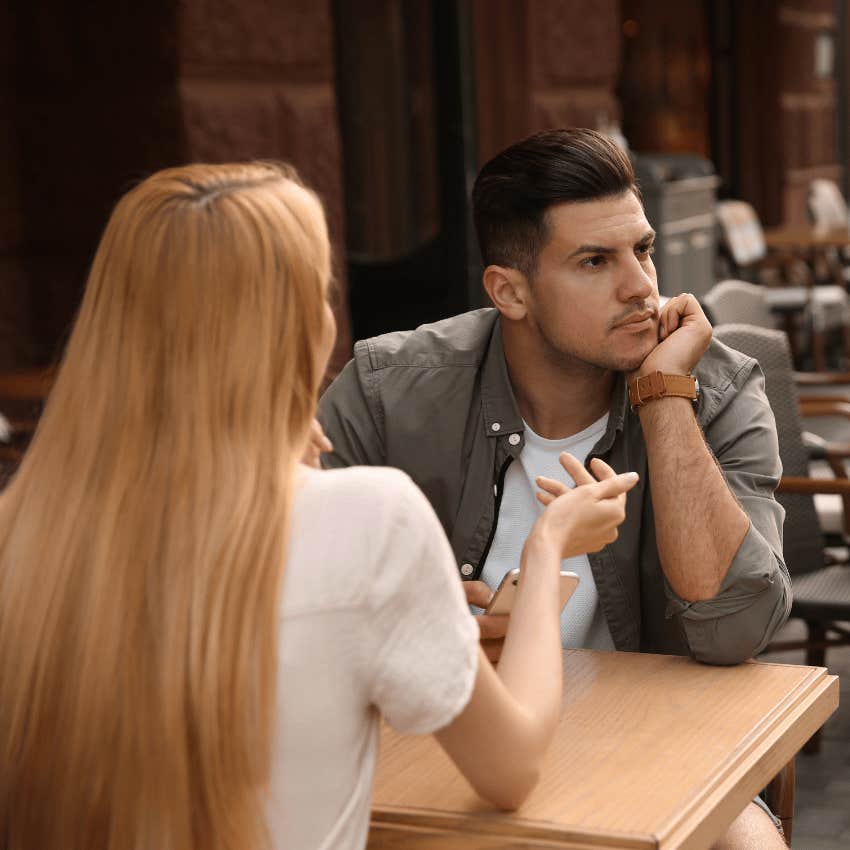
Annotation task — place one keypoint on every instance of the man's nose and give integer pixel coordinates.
(637, 281)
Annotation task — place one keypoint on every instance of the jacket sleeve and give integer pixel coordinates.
(755, 597)
(349, 412)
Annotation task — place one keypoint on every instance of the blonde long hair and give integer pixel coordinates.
(142, 540)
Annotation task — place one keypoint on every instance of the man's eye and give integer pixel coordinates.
(594, 262)
(646, 250)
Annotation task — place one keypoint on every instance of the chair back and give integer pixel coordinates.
(803, 538)
(827, 206)
(740, 232)
(738, 301)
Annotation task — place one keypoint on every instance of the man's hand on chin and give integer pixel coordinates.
(492, 628)
(684, 334)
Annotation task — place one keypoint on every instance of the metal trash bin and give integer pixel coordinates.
(678, 193)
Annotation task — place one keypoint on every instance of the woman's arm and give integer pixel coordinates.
(499, 739)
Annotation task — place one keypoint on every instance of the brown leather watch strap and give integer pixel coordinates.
(656, 385)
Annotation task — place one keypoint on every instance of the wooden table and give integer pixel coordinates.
(806, 238)
(652, 752)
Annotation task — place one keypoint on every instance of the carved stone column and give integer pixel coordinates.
(543, 64)
(256, 80)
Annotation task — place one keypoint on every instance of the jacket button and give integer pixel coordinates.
(496, 426)
(467, 569)
(514, 439)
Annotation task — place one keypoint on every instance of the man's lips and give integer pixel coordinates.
(638, 321)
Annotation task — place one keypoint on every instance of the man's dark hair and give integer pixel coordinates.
(514, 190)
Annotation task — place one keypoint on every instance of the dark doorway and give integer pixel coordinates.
(405, 107)
(666, 76)
(678, 85)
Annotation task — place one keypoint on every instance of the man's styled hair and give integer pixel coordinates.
(514, 190)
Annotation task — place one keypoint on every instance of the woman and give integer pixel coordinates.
(196, 632)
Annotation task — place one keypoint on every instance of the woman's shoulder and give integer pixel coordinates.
(349, 527)
(365, 508)
(361, 488)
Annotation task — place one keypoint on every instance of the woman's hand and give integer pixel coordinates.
(318, 443)
(585, 518)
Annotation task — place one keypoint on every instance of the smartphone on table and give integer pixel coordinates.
(502, 600)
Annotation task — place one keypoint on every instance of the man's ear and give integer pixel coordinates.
(508, 290)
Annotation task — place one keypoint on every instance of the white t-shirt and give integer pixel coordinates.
(374, 622)
(583, 623)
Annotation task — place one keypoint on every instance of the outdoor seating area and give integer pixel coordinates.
(425, 425)
(785, 327)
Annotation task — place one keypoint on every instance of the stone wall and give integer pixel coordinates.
(542, 64)
(256, 80)
(99, 100)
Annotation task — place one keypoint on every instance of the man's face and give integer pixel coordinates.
(594, 296)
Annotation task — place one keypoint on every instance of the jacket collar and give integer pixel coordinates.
(501, 414)
(617, 412)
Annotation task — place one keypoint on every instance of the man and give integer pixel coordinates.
(577, 355)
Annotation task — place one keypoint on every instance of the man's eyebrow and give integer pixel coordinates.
(602, 249)
(591, 249)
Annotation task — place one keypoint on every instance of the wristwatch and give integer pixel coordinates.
(657, 385)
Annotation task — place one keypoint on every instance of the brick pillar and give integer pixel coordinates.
(543, 64)
(256, 80)
(93, 103)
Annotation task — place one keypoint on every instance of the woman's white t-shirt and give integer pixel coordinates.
(374, 622)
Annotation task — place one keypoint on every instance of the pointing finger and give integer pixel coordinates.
(550, 485)
(601, 469)
(620, 484)
(575, 470)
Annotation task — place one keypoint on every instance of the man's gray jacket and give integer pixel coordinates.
(437, 403)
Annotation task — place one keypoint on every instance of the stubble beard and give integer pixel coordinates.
(570, 359)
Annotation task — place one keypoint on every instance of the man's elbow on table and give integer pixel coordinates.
(740, 636)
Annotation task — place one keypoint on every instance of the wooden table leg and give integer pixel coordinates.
(780, 798)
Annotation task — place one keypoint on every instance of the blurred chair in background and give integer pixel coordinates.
(820, 578)
(743, 246)
(807, 314)
(824, 397)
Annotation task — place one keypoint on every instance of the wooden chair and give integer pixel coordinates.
(742, 242)
(821, 582)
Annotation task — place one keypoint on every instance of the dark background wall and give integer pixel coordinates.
(98, 95)
(545, 64)
(388, 108)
